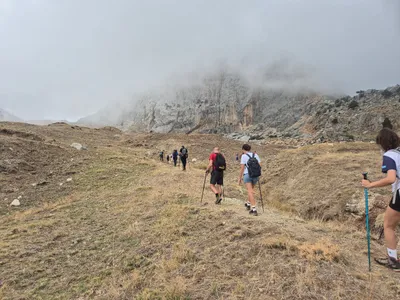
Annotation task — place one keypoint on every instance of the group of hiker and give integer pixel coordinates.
(250, 172)
(176, 157)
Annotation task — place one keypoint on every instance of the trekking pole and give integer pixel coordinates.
(365, 174)
(262, 203)
(204, 186)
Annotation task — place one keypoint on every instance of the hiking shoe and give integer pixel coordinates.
(389, 262)
(218, 201)
(247, 205)
(253, 212)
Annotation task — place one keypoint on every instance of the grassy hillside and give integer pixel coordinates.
(130, 227)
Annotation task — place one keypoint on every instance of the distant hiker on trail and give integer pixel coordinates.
(167, 158)
(237, 157)
(389, 142)
(250, 171)
(162, 155)
(175, 157)
(184, 154)
(216, 166)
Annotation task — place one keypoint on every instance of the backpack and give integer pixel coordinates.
(220, 163)
(184, 153)
(253, 166)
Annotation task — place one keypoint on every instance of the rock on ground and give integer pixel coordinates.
(77, 146)
(15, 203)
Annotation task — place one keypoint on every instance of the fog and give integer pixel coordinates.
(64, 59)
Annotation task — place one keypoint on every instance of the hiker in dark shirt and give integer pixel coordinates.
(175, 157)
(183, 153)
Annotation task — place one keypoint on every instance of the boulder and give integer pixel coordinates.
(15, 203)
(244, 138)
(77, 146)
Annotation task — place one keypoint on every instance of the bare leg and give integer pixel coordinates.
(250, 192)
(214, 188)
(391, 220)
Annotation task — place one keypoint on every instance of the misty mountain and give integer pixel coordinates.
(281, 99)
(219, 100)
(7, 117)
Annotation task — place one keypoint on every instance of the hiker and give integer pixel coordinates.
(183, 153)
(161, 156)
(175, 157)
(167, 158)
(250, 171)
(216, 166)
(237, 157)
(389, 142)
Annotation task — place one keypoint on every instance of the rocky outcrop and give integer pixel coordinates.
(357, 117)
(316, 118)
(220, 104)
(227, 103)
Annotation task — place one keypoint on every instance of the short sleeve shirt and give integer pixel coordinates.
(391, 161)
(213, 157)
(388, 164)
(245, 158)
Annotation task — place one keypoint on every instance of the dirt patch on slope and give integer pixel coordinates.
(36, 166)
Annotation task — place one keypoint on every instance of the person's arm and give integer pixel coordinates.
(210, 165)
(241, 173)
(388, 180)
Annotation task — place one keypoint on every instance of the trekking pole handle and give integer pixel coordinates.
(365, 174)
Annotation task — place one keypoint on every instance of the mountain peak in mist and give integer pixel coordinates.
(7, 117)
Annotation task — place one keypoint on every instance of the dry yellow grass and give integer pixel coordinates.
(131, 228)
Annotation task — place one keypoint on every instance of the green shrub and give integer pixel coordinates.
(353, 104)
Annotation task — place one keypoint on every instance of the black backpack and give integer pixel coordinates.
(220, 163)
(184, 153)
(253, 166)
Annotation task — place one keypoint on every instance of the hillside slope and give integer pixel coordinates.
(7, 117)
(127, 226)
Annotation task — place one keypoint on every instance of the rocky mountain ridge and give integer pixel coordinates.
(227, 103)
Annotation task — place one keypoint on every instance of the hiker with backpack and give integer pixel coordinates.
(167, 158)
(161, 155)
(175, 157)
(217, 166)
(389, 142)
(183, 153)
(250, 171)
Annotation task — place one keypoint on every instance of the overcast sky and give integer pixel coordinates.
(63, 59)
